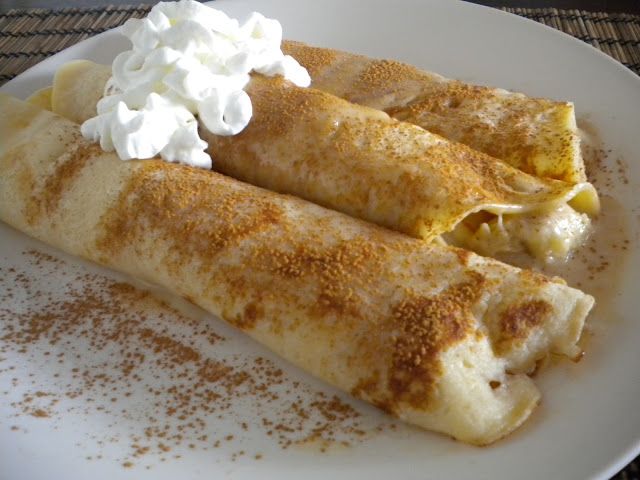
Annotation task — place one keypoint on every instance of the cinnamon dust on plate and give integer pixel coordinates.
(80, 345)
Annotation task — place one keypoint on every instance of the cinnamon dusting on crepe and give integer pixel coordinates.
(46, 199)
(426, 326)
(517, 321)
(536, 135)
(319, 147)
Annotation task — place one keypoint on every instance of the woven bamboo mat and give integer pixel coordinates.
(29, 36)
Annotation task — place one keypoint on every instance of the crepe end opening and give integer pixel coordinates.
(476, 401)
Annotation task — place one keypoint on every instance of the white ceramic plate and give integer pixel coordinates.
(589, 423)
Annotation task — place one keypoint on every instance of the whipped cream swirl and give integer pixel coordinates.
(187, 60)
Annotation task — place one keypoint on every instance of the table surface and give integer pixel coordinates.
(29, 36)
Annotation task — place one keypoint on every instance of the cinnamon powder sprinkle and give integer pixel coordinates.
(297, 133)
(164, 382)
(426, 326)
(517, 321)
(498, 123)
(315, 60)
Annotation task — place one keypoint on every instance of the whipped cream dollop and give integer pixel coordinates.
(187, 62)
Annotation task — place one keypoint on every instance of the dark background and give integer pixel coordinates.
(621, 6)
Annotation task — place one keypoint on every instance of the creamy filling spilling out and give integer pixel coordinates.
(549, 235)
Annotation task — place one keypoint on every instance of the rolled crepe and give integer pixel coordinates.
(432, 334)
(42, 98)
(75, 86)
(536, 135)
(361, 162)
